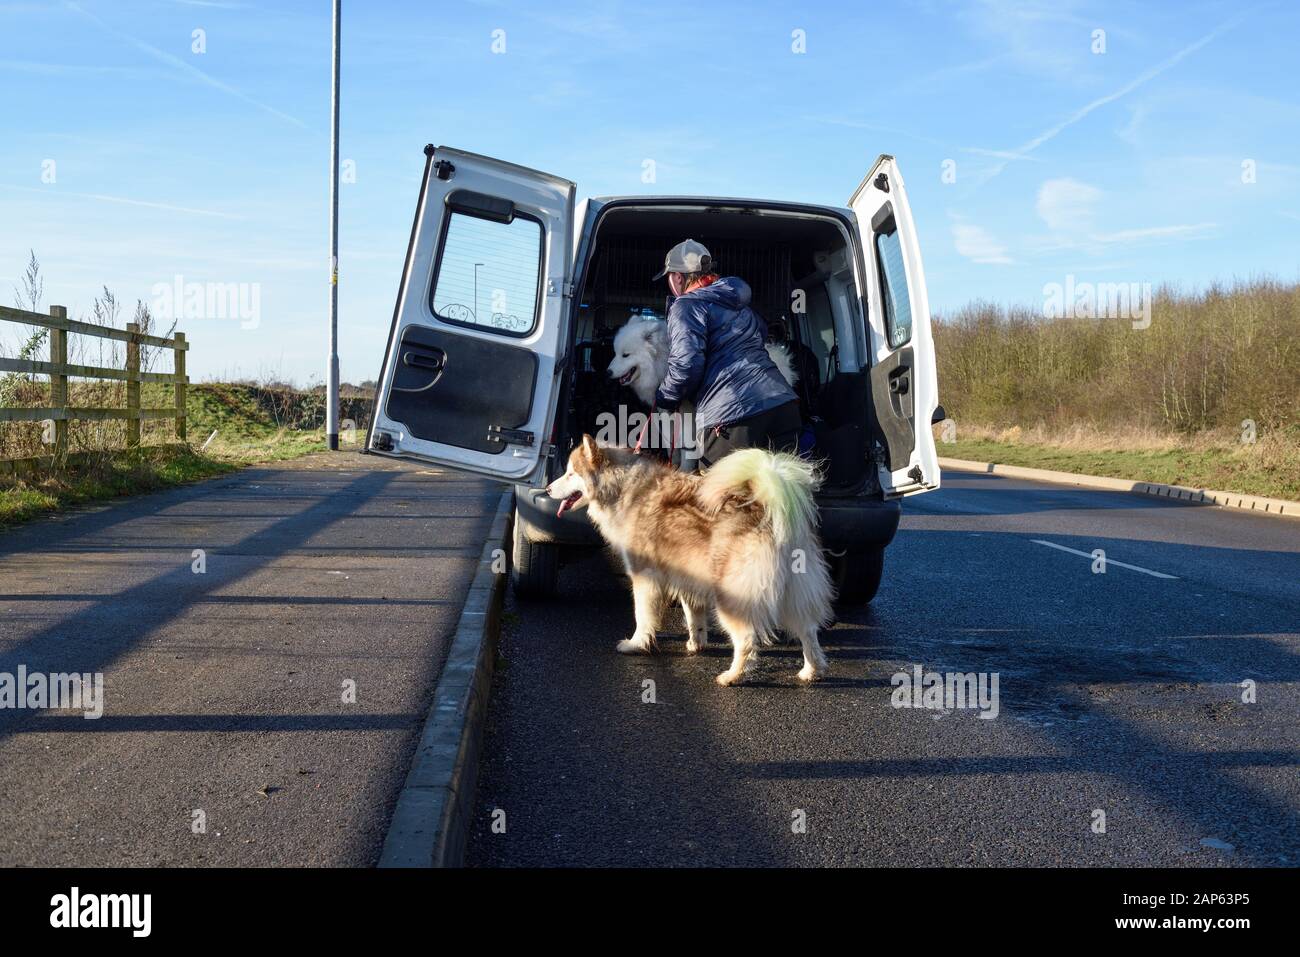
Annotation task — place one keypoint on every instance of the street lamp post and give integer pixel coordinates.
(332, 399)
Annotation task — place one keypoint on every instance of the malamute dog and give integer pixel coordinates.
(740, 539)
(641, 357)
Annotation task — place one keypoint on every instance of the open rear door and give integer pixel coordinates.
(469, 377)
(904, 382)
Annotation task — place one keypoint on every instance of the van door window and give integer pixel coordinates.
(893, 284)
(488, 274)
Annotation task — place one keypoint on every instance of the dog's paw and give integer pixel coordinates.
(634, 646)
(729, 678)
(694, 647)
(809, 673)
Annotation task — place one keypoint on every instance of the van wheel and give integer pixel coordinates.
(857, 575)
(534, 566)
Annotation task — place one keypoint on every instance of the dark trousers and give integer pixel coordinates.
(776, 429)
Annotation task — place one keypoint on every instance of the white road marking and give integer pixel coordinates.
(1109, 560)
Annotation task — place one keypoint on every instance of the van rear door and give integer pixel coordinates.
(904, 381)
(469, 376)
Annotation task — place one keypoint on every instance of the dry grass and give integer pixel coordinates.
(252, 424)
(1087, 437)
(1214, 459)
(1208, 395)
(1208, 361)
(245, 422)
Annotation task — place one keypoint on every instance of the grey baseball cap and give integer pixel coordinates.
(687, 256)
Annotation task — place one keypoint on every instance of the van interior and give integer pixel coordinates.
(800, 269)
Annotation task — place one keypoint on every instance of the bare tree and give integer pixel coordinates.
(145, 320)
(28, 298)
(33, 291)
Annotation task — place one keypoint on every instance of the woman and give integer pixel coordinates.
(718, 360)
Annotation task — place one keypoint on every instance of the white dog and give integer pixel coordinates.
(641, 357)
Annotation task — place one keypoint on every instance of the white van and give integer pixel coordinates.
(512, 292)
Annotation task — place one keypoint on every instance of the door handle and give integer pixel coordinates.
(899, 384)
(420, 360)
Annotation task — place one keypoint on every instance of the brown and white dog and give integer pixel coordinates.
(740, 539)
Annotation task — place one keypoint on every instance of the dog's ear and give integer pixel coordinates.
(593, 450)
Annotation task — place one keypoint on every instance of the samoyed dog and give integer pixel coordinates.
(641, 357)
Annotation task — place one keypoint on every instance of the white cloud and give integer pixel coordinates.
(1032, 33)
(1067, 205)
(1070, 209)
(1180, 231)
(978, 245)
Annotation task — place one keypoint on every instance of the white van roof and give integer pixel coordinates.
(686, 200)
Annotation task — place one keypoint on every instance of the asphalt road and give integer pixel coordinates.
(224, 690)
(1119, 693)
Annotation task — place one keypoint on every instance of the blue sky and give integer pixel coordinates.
(1122, 166)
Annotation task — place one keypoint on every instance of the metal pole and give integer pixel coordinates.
(332, 399)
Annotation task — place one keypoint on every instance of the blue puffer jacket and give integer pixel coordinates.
(718, 357)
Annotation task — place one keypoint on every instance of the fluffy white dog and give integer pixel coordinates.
(641, 357)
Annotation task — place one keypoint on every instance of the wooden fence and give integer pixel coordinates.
(59, 369)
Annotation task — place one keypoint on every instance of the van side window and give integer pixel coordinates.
(893, 283)
(488, 273)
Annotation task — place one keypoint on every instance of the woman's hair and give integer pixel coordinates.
(707, 266)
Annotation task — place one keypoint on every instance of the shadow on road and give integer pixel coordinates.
(1111, 684)
(91, 638)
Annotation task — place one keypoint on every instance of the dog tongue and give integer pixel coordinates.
(566, 504)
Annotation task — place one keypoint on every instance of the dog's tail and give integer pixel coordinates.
(797, 588)
(783, 484)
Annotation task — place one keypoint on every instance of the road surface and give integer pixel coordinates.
(224, 690)
(1121, 737)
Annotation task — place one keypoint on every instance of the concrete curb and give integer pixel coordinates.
(432, 817)
(1253, 503)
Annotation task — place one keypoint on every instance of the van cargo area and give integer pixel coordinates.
(507, 392)
(800, 268)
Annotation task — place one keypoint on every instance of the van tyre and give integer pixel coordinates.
(534, 566)
(857, 575)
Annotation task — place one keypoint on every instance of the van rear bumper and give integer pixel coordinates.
(852, 523)
(859, 522)
(536, 510)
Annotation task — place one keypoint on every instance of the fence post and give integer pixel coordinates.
(178, 368)
(133, 386)
(59, 382)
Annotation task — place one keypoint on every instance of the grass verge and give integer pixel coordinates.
(1270, 466)
(251, 426)
(106, 476)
